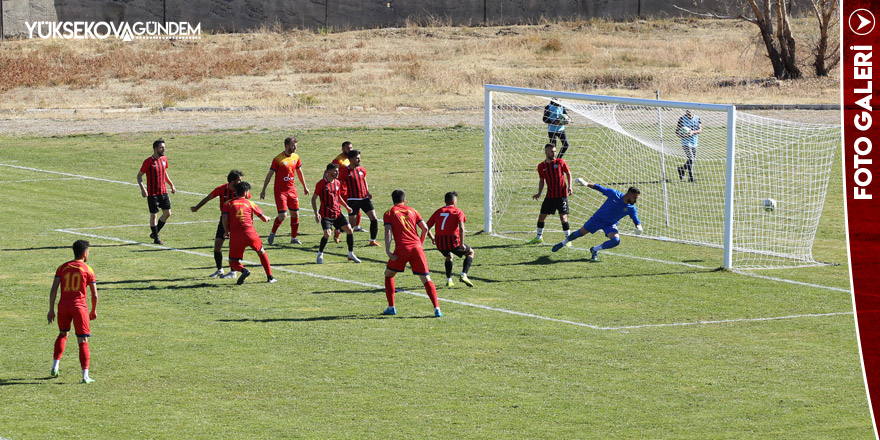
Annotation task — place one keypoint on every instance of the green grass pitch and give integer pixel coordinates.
(651, 342)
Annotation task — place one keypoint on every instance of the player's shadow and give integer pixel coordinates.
(325, 292)
(65, 247)
(198, 285)
(23, 381)
(310, 319)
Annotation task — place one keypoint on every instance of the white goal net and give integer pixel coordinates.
(780, 171)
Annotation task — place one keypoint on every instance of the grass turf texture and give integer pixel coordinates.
(180, 355)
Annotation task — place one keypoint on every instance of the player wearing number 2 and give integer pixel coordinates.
(449, 221)
(617, 206)
(554, 171)
(73, 277)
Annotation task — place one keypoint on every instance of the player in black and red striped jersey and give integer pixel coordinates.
(155, 168)
(226, 192)
(330, 215)
(449, 239)
(555, 173)
(354, 178)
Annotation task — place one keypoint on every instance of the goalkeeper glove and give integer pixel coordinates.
(639, 230)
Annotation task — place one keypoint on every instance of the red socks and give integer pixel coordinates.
(276, 225)
(432, 293)
(84, 355)
(264, 260)
(60, 341)
(389, 291)
(294, 227)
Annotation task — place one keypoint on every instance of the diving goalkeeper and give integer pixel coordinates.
(617, 206)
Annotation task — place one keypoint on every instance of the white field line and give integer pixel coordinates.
(697, 266)
(138, 226)
(78, 176)
(39, 180)
(462, 303)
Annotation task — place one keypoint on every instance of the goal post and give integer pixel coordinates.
(707, 189)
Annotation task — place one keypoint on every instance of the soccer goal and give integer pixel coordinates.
(754, 187)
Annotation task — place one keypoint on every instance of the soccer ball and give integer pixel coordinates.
(682, 132)
(769, 205)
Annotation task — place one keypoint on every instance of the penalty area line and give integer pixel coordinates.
(462, 303)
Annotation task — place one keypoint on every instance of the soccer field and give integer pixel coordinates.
(653, 341)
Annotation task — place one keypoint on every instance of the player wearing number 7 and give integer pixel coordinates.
(73, 277)
(617, 206)
(449, 221)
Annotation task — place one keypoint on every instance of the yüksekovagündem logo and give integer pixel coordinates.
(90, 30)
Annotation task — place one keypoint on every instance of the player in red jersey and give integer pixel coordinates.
(354, 178)
(284, 167)
(400, 225)
(449, 221)
(226, 192)
(555, 173)
(330, 215)
(156, 169)
(73, 277)
(343, 161)
(238, 224)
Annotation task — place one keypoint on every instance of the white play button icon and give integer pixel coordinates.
(861, 22)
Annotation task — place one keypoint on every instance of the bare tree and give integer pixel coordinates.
(774, 23)
(826, 56)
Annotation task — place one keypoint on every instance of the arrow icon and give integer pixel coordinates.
(862, 21)
(865, 19)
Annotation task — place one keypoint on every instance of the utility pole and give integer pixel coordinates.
(327, 15)
(1, 20)
(164, 16)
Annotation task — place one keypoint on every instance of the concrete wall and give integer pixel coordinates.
(241, 15)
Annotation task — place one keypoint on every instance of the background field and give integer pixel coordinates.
(652, 342)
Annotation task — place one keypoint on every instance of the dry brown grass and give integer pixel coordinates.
(428, 67)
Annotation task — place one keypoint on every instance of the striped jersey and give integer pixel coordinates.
(329, 194)
(554, 173)
(75, 277)
(226, 193)
(447, 221)
(355, 181)
(155, 170)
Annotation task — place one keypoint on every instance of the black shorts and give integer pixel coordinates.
(551, 205)
(365, 205)
(155, 203)
(221, 233)
(460, 251)
(330, 223)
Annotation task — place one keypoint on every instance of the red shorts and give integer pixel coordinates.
(414, 256)
(79, 316)
(286, 201)
(238, 243)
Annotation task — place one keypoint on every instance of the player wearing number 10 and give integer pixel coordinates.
(449, 221)
(73, 277)
(238, 223)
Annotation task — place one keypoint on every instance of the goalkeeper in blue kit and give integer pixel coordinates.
(606, 217)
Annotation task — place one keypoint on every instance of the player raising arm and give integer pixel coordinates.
(238, 224)
(284, 166)
(617, 206)
(400, 226)
(72, 278)
(226, 192)
(449, 221)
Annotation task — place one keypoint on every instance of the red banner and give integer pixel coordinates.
(860, 131)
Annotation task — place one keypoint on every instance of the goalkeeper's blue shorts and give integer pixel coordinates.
(594, 224)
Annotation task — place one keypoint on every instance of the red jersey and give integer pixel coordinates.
(285, 168)
(75, 277)
(329, 193)
(447, 219)
(241, 216)
(403, 221)
(355, 181)
(341, 160)
(554, 174)
(226, 194)
(155, 170)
